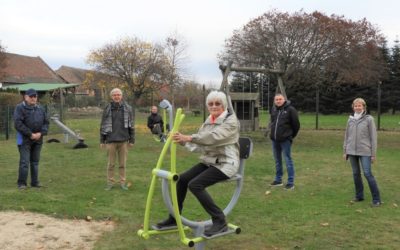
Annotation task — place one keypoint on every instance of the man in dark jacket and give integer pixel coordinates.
(117, 133)
(31, 123)
(155, 123)
(284, 127)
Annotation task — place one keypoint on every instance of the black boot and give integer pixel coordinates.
(170, 222)
(218, 226)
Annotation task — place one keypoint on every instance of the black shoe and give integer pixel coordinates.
(357, 200)
(289, 186)
(376, 204)
(276, 183)
(37, 186)
(216, 228)
(168, 223)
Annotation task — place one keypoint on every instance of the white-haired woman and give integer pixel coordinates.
(218, 142)
(360, 144)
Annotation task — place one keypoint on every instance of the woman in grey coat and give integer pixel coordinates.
(217, 141)
(360, 143)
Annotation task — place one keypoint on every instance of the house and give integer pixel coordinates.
(76, 75)
(20, 69)
(24, 72)
(92, 83)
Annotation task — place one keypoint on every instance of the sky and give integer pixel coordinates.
(64, 32)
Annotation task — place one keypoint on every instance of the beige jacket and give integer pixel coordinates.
(218, 143)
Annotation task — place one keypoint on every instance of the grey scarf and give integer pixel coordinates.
(106, 125)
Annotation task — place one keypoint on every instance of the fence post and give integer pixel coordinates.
(379, 105)
(316, 108)
(7, 123)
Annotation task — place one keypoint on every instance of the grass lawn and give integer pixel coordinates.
(315, 215)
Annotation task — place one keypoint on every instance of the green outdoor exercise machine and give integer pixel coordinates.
(169, 179)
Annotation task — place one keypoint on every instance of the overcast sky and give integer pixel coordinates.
(64, 32)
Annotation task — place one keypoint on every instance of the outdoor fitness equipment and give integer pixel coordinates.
(67, 131)
(169, 179)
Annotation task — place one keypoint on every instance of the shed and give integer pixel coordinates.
(246, 107)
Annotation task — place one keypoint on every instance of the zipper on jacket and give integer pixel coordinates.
(276, 123)
(355, 144)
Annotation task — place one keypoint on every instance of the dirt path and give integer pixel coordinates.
(25, 230)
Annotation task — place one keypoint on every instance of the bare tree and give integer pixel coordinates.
(308, 46)
(192, 94)
(176, 51)
(142, 66)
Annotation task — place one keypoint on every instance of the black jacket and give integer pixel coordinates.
(30, 119)
(117, 124)
(154, 119)
(284, 122)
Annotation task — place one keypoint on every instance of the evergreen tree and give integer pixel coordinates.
(394, 79)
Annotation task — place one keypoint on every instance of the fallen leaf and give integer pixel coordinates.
(395, 205)
(324, 224)
(29, 223)
(267, 192)
(359, 211)
(129, 184)
(88, 218)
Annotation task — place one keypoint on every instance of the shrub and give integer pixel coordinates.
(9, 98)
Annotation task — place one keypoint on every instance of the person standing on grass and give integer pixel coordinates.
(117, 134)
(31, 123)
(284, 126)
(360, 144)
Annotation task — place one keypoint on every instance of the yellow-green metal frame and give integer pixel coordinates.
(146, 232)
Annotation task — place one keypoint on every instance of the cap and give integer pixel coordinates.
(30, 92)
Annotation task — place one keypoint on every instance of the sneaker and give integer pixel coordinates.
(376, 204)
(124, 187)
(276, 183)
(216, 228)
(22, 187)
(357, 200)
(37, 186)
(109, 187)
(289, 186)
(168, 223)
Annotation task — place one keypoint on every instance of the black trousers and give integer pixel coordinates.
(197, 179)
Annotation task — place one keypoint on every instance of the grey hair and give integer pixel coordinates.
(115, 90)
(219, 96)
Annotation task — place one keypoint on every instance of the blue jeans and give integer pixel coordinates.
(365, 161)
(283, 147)
(29, 155)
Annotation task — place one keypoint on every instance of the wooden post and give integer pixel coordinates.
(379, 105)
(317, 108)
(204, 103)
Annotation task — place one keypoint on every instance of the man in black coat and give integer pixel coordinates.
(284, 125)
(31, 123)
(155, 123)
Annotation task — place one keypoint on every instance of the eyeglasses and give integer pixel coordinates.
(33, 96)
(216, 104)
